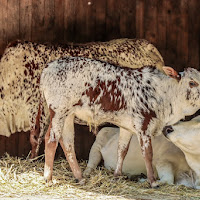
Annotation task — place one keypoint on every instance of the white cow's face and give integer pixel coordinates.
(185, 135)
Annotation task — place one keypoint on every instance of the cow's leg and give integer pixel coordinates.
(147, 152)
(124, 141)
(165, 172)
(34, 134)
(50, 149)
(67, 144)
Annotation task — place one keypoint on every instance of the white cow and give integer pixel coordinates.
(168, 160)
(186, 136)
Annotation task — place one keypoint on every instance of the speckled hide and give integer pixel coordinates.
(140, 101)
(22, 63)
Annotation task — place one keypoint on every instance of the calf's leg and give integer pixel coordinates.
(50, 149)
(147, 152)
(67, 144)
(124, 141)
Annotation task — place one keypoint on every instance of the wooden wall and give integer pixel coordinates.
(173, 26)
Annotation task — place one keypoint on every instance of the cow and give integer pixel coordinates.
(185, 135)
(140, 101)
(168, 160)
(21, 66)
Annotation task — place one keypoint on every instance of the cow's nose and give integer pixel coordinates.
(167, 130)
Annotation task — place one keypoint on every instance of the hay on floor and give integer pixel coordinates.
(20, 177)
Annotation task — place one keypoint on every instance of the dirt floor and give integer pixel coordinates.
(23, 179)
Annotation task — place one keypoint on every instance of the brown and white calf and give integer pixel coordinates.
(140, 101)
(168, 160)
(21, 66)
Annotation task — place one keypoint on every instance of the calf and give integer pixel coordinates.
(140, 101)
(185, 135)
(168, 160)
(21, 66)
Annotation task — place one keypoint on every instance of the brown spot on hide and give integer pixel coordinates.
(111, 97)
(31, 67)
(188, 95)
(147, 118)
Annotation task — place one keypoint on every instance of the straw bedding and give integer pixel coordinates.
(22, 178)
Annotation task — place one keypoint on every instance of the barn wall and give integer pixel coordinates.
(173, 26)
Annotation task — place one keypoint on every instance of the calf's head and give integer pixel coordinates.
(188, 85)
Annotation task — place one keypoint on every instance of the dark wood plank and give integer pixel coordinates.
(22, 143)
(3, 25)
(112, 19)
(140, 6)
(100, 25)
(25, 18)
(2, 145)
(171, 23)
(162, 28)
(59, 21)
(49, 20)
(182, 36)
(70, 20)
(12, 29)
(150, 21)
(38, 23)
(90, 20)
(127, 21)
(194, 34)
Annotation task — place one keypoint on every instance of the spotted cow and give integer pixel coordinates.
(21, 66)
(185, 135)
(168, 160)
(140, 101)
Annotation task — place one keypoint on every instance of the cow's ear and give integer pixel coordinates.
(170, 72)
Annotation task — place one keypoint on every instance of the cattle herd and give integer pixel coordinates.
(46, 88)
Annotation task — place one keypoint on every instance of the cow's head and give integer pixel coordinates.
(186, 136)
(189, 84)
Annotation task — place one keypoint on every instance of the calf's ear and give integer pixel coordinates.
(170, 72)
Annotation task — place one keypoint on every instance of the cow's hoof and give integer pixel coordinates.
(81, 182)
(49, 183)
(87, 172)
(155, 185)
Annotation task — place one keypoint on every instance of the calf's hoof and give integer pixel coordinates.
(49, 183)
(87, 172)
(117, 173)
(155, 185)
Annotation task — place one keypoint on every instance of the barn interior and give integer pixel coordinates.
(173, 27)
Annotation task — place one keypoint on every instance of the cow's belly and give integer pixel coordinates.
(133, 162)
(85, 116)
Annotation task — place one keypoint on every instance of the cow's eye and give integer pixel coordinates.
(193, 84)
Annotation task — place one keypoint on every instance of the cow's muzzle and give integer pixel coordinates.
(167, 130)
